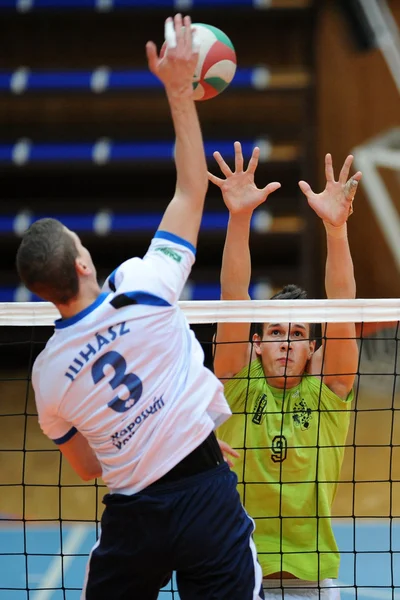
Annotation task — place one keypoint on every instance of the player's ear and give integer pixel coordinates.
(82, 268)
(312, 348)
(257, 344)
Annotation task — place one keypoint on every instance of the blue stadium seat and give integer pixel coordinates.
(108, 5)
(104, 151)
(105, 222)
(103, 79)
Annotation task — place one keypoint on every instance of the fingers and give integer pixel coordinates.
(222, 164)
(188, 34)
(351, 186)
(178, 24)
(185, 35)
(305, 188)
(178, 33)
(350, 189)
(226, 449)
(344, 173)
(169, 33)
(238, 157)
(329, 174)
(152, 56)
(271, 187)
(214, 179)
(253, 162)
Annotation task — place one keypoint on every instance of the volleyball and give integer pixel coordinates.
(216, 66)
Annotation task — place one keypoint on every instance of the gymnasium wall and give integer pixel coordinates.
(356, 100)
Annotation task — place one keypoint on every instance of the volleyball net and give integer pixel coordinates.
(49, 518)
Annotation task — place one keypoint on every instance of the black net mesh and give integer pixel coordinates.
(50, 518)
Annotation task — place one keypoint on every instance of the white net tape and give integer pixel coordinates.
(236, 311)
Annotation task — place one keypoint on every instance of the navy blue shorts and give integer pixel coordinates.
(196, 526)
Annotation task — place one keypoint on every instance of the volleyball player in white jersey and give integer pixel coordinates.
(122, 388)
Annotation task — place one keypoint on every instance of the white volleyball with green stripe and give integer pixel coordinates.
(216, 66)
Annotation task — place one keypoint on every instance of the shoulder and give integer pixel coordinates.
(322, 393)
(169, 253)
(165, 239)
(38, 372)
(41, 361)
(49, 366)
(245, 381)
(127, 268)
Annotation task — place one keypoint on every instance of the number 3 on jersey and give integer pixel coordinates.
(121, 377)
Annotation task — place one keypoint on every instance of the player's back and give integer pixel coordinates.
(128, 373)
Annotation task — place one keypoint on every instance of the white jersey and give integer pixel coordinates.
(127, 372)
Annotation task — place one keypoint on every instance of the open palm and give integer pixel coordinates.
(176, 66)
(240, 193)
(334, 204)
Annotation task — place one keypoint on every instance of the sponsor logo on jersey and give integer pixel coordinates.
(302, 415)
(170, 253)
(122, 437)
(259, 409)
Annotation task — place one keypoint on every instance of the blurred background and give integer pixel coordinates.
(86, 135)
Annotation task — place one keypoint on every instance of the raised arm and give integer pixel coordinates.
(241, 197)
(175, 69)
(337, 359)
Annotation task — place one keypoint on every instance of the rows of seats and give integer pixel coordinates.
(86, 134)
(108, 5)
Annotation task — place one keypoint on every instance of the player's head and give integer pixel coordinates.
(284, 348)
(53, 264)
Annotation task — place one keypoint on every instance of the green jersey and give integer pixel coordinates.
(291, 445)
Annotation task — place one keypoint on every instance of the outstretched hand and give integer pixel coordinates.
(240, 193)
(335, 204)
(177, 66)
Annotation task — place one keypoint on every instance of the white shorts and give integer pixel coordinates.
(298, 589)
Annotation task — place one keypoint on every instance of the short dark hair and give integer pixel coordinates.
(289, 292)
(46, 261)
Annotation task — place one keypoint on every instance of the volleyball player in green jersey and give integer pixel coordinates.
(290, 403)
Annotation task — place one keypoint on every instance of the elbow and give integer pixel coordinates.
(201, 181)
(195, 188)
(90, 475)
(89, 472)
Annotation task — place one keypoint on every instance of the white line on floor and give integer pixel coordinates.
(365, 592)
(51, 578)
